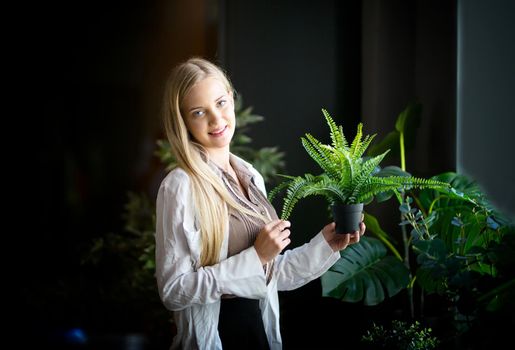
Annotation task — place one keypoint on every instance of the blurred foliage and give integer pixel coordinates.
(400, 336)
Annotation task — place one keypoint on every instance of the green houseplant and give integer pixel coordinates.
(458, 249)
(348, 181)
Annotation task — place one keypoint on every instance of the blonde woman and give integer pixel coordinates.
(219, 241)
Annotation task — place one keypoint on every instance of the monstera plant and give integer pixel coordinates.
(348, 179)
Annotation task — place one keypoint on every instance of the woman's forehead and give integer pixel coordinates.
(204, 91)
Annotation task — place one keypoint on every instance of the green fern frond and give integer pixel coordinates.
(279, 188)
(349, 166)
(337, 136)
(320, 154)
(356, 143)
(309, 185)
(396, 183)
(372, 188)
(330, 191)
(409, 182)
(364, 145)
(366, 172)
(294, 194)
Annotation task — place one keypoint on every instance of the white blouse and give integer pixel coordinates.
(193, 292)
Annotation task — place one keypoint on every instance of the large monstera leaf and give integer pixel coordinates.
(365, 273)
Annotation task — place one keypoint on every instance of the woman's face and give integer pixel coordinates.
(208, 111)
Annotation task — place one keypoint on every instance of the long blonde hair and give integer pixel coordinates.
(207, 188)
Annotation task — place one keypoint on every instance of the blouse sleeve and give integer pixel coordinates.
(180, 283)
(298, 266)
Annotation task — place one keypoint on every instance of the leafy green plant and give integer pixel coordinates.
(348, 177)
(459, 252)
(365, 273)
(457, 239)
(400, 336)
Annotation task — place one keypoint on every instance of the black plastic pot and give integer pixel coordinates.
(347, 217)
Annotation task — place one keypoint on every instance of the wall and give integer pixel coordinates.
(486, 90)
(286, 61)
(409, 54)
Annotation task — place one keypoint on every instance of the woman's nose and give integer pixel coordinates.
(214, 116)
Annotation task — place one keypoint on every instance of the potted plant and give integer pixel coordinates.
(348, 181)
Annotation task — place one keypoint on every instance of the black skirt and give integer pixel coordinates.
(240, 325)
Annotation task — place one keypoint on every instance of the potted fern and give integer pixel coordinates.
(348, 181)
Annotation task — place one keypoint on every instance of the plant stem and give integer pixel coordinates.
(462, 241)
(403, 229)
(403, 158)
(407, 259)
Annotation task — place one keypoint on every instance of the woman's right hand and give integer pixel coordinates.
(272, 239)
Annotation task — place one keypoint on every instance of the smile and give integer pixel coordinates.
(219, 132)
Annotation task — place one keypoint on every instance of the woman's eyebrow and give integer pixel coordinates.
(192, 109)
(219, 98)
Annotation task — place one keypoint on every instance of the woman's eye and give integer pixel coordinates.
(222, 103)
(198, 113)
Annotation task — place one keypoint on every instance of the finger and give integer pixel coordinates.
(346, 241)
(352, 237)
(284, 234)
(345, 238)
(270, 226)
(362, 228)
(362, 216)
(285, 243)
(329, 228)
(342, 241)
(282, 225)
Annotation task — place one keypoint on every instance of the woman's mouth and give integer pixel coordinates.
(218, 132)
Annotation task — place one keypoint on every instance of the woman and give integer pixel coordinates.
(218, 240)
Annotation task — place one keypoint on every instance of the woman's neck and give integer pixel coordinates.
(221, 158)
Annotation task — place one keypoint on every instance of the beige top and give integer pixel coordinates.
(243, 229)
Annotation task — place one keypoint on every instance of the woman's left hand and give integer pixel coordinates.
(341, 241)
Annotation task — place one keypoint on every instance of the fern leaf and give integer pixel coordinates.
(364, 145)
(356, 143)
(365, 173)
(309, 185)
(294, 193)
(337, 136)
(397, 183)
(277, 190)
(323, 156)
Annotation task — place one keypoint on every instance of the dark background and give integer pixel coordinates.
(91, 75)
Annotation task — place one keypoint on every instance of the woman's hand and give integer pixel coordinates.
(272, 239)
(341, 241)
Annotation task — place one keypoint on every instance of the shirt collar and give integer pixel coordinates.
(241, 167)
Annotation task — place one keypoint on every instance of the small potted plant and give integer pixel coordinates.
(348, 181)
